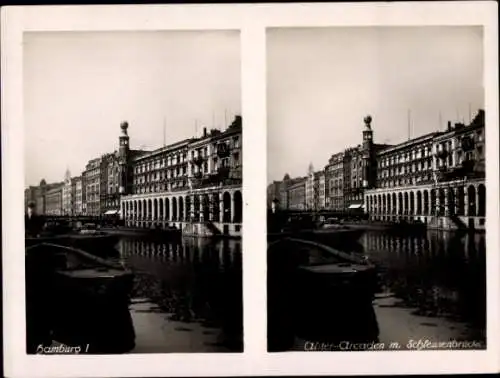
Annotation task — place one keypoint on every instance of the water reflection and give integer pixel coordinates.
(440, 274)
(194, 280)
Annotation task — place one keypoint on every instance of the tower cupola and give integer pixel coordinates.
(124, 127)
(368, 132)
(124, 140)
(368, 154)
(123, 157)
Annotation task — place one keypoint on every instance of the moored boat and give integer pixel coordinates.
(160, 234)
(332, 236)
(336, 236)
(101, 244)
(77, 299)
(318, 293)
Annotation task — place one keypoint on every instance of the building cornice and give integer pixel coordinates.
(421, 139)
(427, 186)
(207, 190)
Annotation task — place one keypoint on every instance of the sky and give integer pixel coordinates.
(79, 87)
(322, 82)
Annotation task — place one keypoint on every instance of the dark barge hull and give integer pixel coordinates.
(156, 234)
(338, 238)
(99, 245)
(77, 299)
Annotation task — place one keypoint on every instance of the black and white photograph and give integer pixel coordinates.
(376, 190)
(139, 241)
(133, 195)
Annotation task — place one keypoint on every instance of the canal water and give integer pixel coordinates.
(187, 295)
(433, 286)
(432, 289)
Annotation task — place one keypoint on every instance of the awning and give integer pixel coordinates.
(356, 206)
(111, 212)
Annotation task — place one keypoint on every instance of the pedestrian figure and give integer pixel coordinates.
(33, 222)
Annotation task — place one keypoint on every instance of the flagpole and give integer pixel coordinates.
(409, 116)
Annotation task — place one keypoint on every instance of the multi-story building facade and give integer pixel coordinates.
(194, 184)
(408, 163)
(38, 195)
(334, 176)
(296, 194)
(300, 193)
(84, 193)
(437, 179)
(33, 194)
(30, 195)
(290, 193)
(77, 190)
(341, 184)
(57, 198)
(359, 168)
(273, 193)
(92, 184)
(54, 200)
(353, 178)
(110, 184)
(311, 193)
(319, 190)
(283, 189)
(67, 195)
(165, 169)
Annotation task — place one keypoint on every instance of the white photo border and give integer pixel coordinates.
(252, 21)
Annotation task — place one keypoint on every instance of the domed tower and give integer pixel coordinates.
(310, 170)
(67, 176)
(123, 157)
(368, 154)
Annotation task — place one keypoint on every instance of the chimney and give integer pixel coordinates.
(449, 125)
(204, 132)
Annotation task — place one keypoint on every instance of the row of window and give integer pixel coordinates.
(336, 191)
(177, 185)
(148, 167)
(336, 183)
(156, 178)
(179, 172)
(357, 183)
(353, 197)
(94, 188)
(357, 177)
(148, 177)
(92, 197)
(406, 157)
(407, 168)
(336, 173)
(426, 151)
(112, 189)
(181, 157)
(405, 181)
(393, 160)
